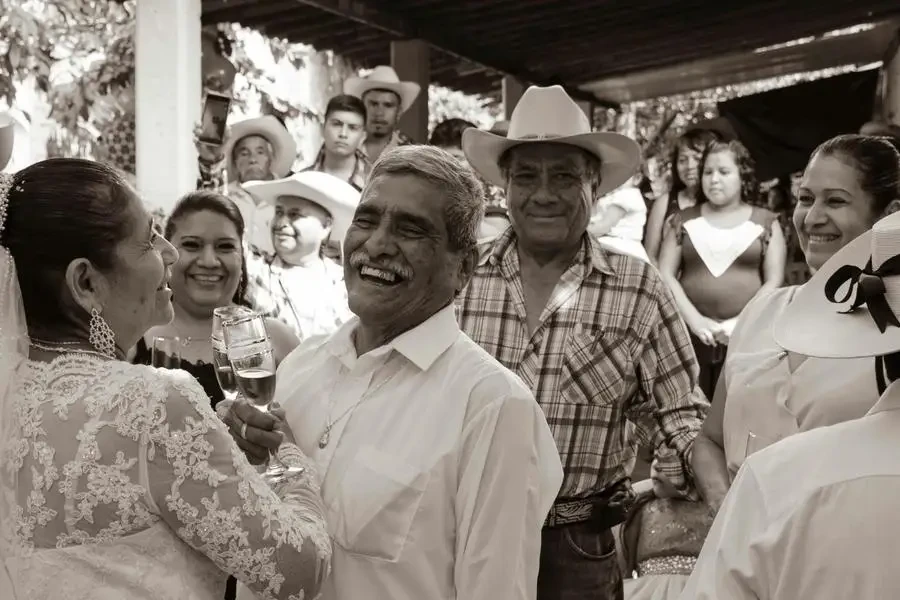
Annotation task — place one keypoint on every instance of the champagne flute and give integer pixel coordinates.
(253, 361)
(224, 372)
(165, 352)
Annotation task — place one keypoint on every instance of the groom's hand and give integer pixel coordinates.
(262, 434)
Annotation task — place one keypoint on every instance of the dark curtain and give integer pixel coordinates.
(782, 127)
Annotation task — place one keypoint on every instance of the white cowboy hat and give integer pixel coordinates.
(284, 148)
(547, 114)
(383, 78)
(333, 194)
(7, 135)
(816, 323)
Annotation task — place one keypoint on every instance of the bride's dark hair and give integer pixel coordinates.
(59, 210)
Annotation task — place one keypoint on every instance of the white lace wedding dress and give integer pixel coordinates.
(118, 481)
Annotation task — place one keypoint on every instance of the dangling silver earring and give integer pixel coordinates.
(101, 336)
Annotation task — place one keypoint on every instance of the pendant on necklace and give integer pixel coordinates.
(326, 437)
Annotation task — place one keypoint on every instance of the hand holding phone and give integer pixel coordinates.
(214, 119)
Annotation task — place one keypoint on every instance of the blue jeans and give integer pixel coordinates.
(579, 563)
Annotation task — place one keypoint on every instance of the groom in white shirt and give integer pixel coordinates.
(438, 466)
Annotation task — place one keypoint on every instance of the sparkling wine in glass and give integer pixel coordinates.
(224, 373)
(253, 362)
(166, 352)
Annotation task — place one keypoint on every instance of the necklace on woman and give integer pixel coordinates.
(50, 346)
(330, 423)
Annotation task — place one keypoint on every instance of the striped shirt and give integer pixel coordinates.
(610, 358)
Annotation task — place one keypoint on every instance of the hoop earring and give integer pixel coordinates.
(101, 335)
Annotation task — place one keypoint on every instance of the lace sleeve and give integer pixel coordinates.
(212, 498)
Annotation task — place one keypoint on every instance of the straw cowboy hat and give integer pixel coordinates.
(383, 78)
(849, 308)
(7, 134)
(547, 114)
(333, 194)
(284, 148)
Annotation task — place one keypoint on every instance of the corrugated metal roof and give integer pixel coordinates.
(573, 42)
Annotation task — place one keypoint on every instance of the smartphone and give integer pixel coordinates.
(215, 117)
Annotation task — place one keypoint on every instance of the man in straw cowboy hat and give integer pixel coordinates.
(386, 98)
(594, 334)
(437, 465)
(815, 515)
(257, 149)
(298, 284)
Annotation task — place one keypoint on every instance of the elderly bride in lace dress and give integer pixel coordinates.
(117, 480)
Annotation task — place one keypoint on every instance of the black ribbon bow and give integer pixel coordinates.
(869, 286)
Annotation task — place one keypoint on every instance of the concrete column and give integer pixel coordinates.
(512, 90)
(411, 59)
(167, 98)
(891, 75)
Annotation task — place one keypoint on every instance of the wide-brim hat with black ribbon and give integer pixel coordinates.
(548, 114)
(383, 78)
(284, 148)
(850, 307)
(332, 193)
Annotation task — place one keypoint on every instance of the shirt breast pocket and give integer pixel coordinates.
(595, 370)
(376, 503)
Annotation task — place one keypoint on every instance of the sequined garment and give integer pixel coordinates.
(678, 564)
(672, 531)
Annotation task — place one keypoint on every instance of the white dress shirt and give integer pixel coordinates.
(257, 218)
(437, 482)
(812, 516)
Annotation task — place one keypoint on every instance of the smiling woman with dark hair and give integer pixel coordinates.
(207, 230)
(766, 394)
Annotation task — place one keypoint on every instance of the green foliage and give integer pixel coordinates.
(444, 103)
(656, 124)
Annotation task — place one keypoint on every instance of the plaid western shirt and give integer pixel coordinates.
(610, 357)
(398, 138)
(360, 170)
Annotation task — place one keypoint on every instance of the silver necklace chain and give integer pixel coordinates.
(330, 423)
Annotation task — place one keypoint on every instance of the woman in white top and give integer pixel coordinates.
(118, 480)
(766, 394)
(618, 221)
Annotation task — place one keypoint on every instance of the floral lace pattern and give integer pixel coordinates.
(112, 473)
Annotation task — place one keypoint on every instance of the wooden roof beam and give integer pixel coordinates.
(361, 11)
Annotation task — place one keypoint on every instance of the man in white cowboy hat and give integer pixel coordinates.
(815, 515)
(298, 284)
(437, 464)
(257, 149)
(386, 98)
(594, 334)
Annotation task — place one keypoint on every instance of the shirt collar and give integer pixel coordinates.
(890, 399)
(591, 254)
(398, 138)
(422, 345)
(359, 169)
